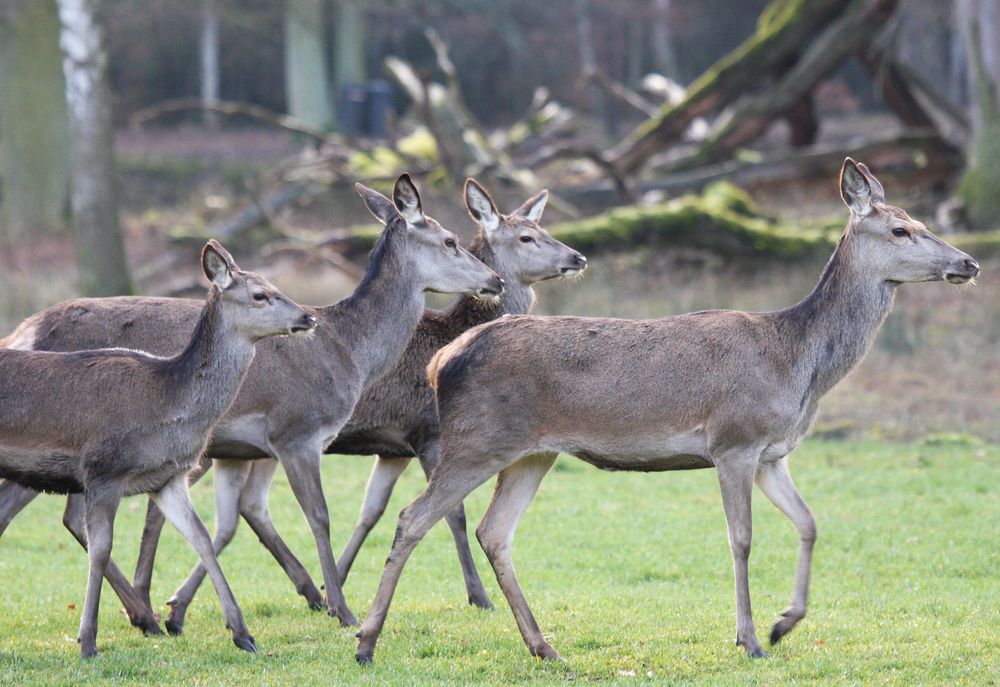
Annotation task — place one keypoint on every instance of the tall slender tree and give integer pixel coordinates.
(33, 126)
(307, 78)
(208, 52)
(99, 246)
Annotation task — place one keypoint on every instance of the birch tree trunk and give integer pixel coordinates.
(307, 79)
(34, 132)
(100, 252)
(208, 49)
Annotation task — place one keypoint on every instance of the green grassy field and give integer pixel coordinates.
(628, 574)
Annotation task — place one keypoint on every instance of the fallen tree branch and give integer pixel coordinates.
(231, 108)
(623, 93)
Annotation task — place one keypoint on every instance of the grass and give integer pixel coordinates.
(628, 574)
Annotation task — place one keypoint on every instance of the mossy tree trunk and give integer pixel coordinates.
(100, 251)
(33, 122)
(784, 28)
(980, 185)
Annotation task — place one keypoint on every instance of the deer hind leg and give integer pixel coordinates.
(174, 501)
(516, 487)
(142, 578)
(253, 508)
(736, 475)
(381, 481)
(452, 481)
(13, 499)
(101, 505)
(430, 455)
(138, 611)
(302, 467)
(230, 477)
(776, 483)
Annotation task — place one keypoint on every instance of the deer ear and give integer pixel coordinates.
(534, 207)
(218, 264)
(407, 200)
(482, 209)
(377, 204)
(855, 188)
(878, 193)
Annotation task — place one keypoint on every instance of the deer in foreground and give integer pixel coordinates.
(298, 394)
(731, 390)
(396, 417)
(111, 423)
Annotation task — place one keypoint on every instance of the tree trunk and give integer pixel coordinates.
(307, 79)
(588, 61)
(664, 59)
(980, 186)
(350, 59)
(208, 48)
(100, 253)
(33, 122)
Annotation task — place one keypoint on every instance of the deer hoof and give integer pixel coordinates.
(148, 626)
(345, 617)
(546, 652)
(481, 601)
(245, 642)
(756, 653)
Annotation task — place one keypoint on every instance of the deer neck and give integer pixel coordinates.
(837, 323)
(517, 297)
(376, 322)
(207, 374)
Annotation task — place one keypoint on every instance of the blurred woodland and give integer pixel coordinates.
(687, 144)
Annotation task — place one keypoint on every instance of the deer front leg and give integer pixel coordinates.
(736, 475)
(302, 467)
(230, 477)
(139, 612)
(174, 501)
(253, 508)
(452, 482)
(516, 487)
(142, 578)
(776, 483)
(13, 499)
(101, 506)
(385, 473)
(430, 455)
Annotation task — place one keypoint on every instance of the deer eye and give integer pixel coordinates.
(260, 297)
(900, 232)
(527, 239)
(449, 242)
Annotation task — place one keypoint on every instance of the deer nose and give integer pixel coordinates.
(306, 322)
(972, 266)
(580, 260)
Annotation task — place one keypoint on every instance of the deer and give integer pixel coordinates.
(396, 418)
(111, 423)
(298, 394)
(734, 391)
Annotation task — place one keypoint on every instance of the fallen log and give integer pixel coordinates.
(782, 31)
(917, 153)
